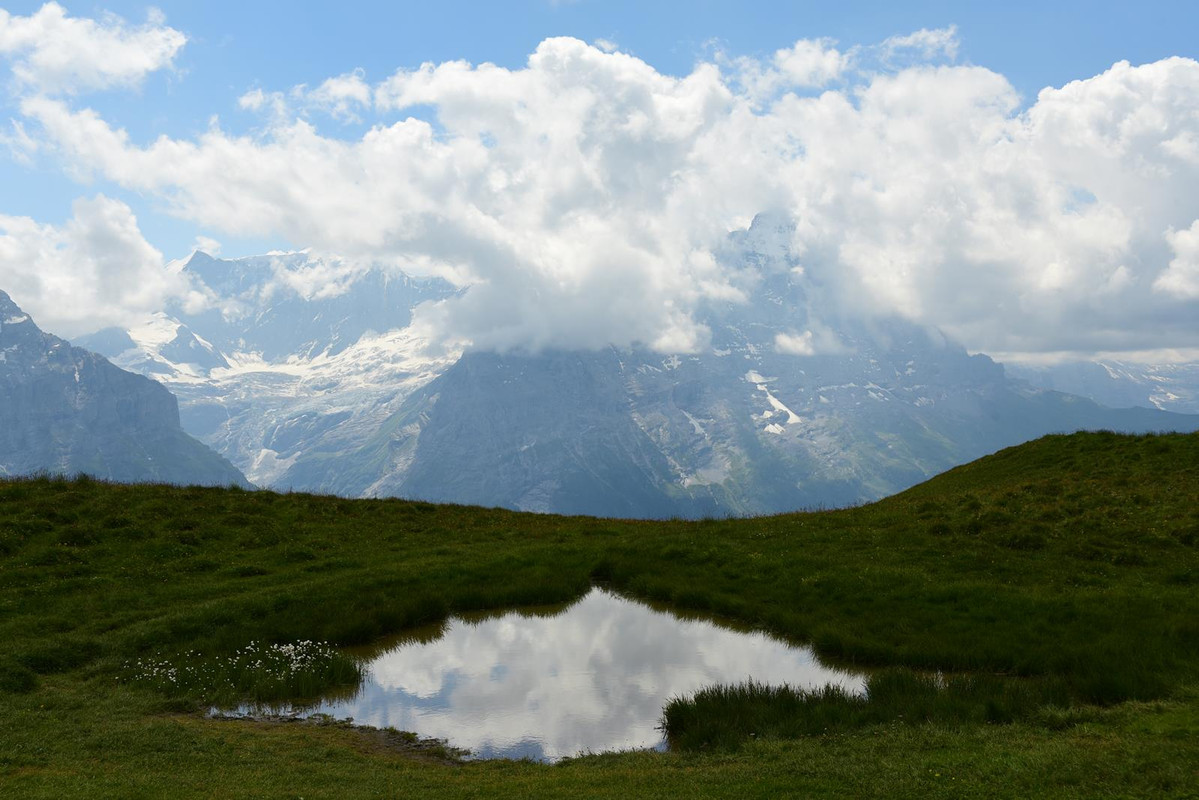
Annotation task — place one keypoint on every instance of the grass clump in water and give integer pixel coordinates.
(256, 673)
(724, 717)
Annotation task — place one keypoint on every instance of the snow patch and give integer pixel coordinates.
(155, 332)
(777, 405)
(759, 382)
(268, 467)
(695, 424)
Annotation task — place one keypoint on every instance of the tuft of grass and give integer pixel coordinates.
(726, 717)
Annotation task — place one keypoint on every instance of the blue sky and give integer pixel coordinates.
(275, 44)
(1103, 239)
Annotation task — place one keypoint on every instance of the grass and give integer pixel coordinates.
(256, 674)
(724, 717)
(1055, 583)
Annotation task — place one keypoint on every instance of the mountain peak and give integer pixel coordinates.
(772, 221)
(15, 325)
(8, 308)
(64, 409)
(199, 257)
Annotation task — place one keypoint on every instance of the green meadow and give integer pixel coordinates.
(1031, 621)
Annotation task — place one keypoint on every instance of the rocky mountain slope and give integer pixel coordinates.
(796, 403)
(66, 410)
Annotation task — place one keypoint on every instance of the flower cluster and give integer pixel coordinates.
(257, 672)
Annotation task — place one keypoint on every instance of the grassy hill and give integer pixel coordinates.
(1055, 584)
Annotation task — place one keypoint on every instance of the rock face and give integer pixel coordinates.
(797, 402)
(794, 405)
(66, 410)
(619, 433)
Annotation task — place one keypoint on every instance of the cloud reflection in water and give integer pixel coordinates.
(592, 678)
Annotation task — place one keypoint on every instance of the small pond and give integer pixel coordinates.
(591, 677)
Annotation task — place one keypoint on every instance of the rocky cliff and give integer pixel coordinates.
(66, 410)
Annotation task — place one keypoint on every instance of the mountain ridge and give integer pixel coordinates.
(796, 402)
(67, 410)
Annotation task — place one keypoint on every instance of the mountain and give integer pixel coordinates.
(66, 410)
(1120, 384)
(270, 374)
(622, 433)
(796, 403)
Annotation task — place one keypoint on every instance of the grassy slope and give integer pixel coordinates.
(1071, 557)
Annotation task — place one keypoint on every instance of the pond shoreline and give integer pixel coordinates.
(375, 739)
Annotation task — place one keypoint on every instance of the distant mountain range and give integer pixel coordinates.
(1120, 384)
(793, 406)
(66, 410)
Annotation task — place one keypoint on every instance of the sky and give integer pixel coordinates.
(1024, 178)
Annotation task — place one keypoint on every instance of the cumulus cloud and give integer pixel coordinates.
(93, 271)
(809, 64)
(55, 53)
(1181, 278)
(342, 97)
(583, 195)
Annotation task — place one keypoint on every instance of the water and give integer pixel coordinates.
(590, 678)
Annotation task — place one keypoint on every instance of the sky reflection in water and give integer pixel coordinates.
(589, 679)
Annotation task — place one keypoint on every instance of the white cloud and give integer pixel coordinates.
(925, 44)
(93, 271)
(795, 344)
(206, 244)
(342, 97)
(254, 100)
(20, 145)
(55, 53)
(811, 62)
(817, 340)
(1181, 278)
(808, 64)
(583, 194)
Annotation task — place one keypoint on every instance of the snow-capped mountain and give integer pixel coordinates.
(323, 385)
(270, 374)
(1120, 384)
(66, 410)
(794, 406)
